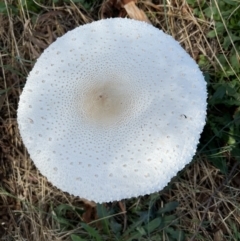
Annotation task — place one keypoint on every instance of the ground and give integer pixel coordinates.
(201, 202)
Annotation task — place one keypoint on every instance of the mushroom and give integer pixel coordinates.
(112, 110)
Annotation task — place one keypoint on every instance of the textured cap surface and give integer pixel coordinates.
(112, 110)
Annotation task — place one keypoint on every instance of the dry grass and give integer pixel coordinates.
(209, 201)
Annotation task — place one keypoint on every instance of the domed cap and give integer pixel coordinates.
(112, 110)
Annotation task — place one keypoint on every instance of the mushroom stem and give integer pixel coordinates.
(134, 12)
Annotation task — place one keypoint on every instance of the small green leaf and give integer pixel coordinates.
(115, 226)
(62, 209)
(202, 60)
(211, 34)
(63, 222)
(231, 140)
(207, 77)
(228, 40)
(133, 236)
(234, 61)
(230, 2)
(220, 92)
(141, 230)
(2, 7)
(236, 118)
(153, 225)
(144, 216)
(235, 152)
(75, 237)
(170, 219)
(91, 231)
(220, 163)
(103, 215)
(175, 234)
(219, 26)
(211, 11)
(191, 2)
(168, 207)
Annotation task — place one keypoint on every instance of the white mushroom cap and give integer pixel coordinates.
(112, 110)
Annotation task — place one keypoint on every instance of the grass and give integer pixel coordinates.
(201, 203)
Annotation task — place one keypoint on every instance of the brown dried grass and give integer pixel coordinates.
(27, 199)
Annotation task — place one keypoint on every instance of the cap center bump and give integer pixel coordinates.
(106, 102)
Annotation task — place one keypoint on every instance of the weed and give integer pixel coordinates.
(15, 7)
(155, 223)
(222, 127)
